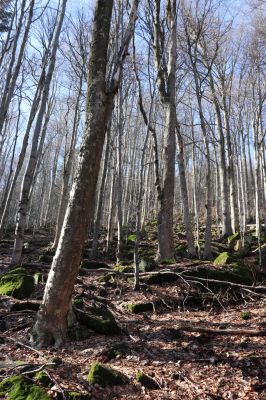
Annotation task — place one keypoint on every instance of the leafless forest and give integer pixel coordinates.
(132, 199)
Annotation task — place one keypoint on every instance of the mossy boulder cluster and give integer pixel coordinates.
(17, 283)
(103, 376)
(18, 387)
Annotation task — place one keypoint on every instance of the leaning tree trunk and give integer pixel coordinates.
(51, 324)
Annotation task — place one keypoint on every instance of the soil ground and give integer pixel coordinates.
(186, 365)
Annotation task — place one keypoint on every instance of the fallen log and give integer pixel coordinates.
(229, 332)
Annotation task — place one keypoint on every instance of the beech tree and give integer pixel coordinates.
(51, 324)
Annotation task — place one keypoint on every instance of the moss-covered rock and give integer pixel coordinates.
(20, 388)
(103, 376)
(235, 273)
(99, 320)
(223, 259)
(146, 381)
(137, 308)
(17, 283)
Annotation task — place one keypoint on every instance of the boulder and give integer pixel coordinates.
(98, 319)
(137, 308)
(146, 381)
(17, 283)
(103, 376)
(223, 259)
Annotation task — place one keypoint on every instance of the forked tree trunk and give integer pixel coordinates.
(51, 324)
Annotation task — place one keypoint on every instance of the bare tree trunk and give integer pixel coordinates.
(51, 324)
(97, 223)
(21, 158)
(68, 165)
(166, 82)
(12, 75)
(30, 170)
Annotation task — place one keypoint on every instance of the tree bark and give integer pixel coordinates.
(51, 324)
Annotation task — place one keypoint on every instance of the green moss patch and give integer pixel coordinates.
(245, 315)
(21, 388)
(168, 261)
(109, 280)
(103, 376)
(17, 283)
(146, 381)
(124, 268)
(99, 320)
(181, 250)
(232, 239)
(43, 379)
(78, 303)
(77, 396)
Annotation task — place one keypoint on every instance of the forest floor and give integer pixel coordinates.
(185, 364)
